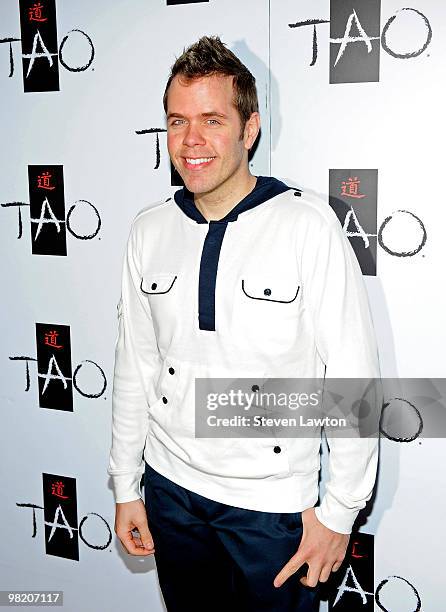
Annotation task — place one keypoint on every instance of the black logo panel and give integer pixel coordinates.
(352, 586)
(47, 210)
(353, 195)
(354, 41)
(54, 366)
(40, 55)
(60, 516)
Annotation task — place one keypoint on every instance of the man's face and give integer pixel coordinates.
(203, 130)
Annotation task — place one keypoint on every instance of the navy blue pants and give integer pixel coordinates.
(212, 557)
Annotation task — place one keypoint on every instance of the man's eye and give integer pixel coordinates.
(175, 121)
(214, 120)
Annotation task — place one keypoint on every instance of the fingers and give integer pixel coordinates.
(319, 575)
(336, 566)
(290, 568)
(313, 575)
(134, 546)
(137, 540)
(145, 535)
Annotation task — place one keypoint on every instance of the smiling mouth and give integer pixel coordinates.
(197, 163)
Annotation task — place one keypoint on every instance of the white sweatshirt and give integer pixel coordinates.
(273, 289)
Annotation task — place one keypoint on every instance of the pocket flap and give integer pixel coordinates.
(270, 289)
(153, 284)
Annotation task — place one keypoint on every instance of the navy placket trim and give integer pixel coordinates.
(265, 189)
(208, 274)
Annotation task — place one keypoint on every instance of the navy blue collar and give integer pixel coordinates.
(266, 188)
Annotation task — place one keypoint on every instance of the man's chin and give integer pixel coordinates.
(196, 187)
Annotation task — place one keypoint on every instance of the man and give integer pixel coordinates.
(237, 276)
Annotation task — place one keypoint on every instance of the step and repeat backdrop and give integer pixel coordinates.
(352, 98)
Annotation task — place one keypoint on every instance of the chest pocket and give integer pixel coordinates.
(161, 290)
(266, 310)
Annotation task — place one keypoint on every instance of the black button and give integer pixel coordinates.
(171, 371)
(154, 286)
(267, 292)
(165, 399)
(297, 193)
(277, 449)
(255, 387)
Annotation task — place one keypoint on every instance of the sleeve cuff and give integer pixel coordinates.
(336, 516)
(126, 487)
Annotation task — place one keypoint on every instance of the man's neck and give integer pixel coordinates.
(215, 206)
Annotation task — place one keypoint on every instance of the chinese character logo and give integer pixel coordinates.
(57, 489)
(351, 188)
(50, 339)
(44, 181)
(35, 13)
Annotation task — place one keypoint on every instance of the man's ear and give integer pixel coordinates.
(251, 131)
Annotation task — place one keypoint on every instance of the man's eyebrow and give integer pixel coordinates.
(209, 114)
(214, 114)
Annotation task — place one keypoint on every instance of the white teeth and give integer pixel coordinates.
(198, 161)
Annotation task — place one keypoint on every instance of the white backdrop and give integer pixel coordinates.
(309, 126)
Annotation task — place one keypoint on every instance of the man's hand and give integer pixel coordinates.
(131, 515)
(320, 547)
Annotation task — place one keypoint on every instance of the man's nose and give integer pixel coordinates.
(193, 136)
